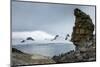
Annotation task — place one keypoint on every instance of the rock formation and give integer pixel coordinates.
(83, 39)
(55, 37)
(22, 41)
(83, 29)
(16, 50)
(67, 36)
(74, 56)
(29, 38)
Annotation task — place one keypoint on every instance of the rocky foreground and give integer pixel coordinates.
(20, 58)
(83, 55)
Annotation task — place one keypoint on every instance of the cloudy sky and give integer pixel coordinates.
(52, 18)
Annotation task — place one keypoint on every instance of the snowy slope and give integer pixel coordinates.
(38, 36)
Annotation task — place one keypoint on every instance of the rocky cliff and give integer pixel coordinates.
(82, 33)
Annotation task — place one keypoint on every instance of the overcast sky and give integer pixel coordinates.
(52, 18)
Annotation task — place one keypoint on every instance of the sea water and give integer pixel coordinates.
(48, 49)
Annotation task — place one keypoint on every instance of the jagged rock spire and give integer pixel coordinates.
(83, 29)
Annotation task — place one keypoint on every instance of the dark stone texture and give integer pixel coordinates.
(30, 38)
(83, 30)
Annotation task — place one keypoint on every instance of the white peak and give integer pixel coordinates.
(36, 35)
(41, 35)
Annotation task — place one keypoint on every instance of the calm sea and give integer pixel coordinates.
(49, 49)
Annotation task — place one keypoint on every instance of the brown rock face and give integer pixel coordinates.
(83, 38)
(83, 29)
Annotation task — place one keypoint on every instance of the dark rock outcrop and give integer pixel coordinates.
(22, 41)
(83, 29)
(14, 50)
(30, 38)
(67, 36)
(55, 37)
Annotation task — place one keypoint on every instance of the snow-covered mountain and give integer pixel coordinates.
(36, 35)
